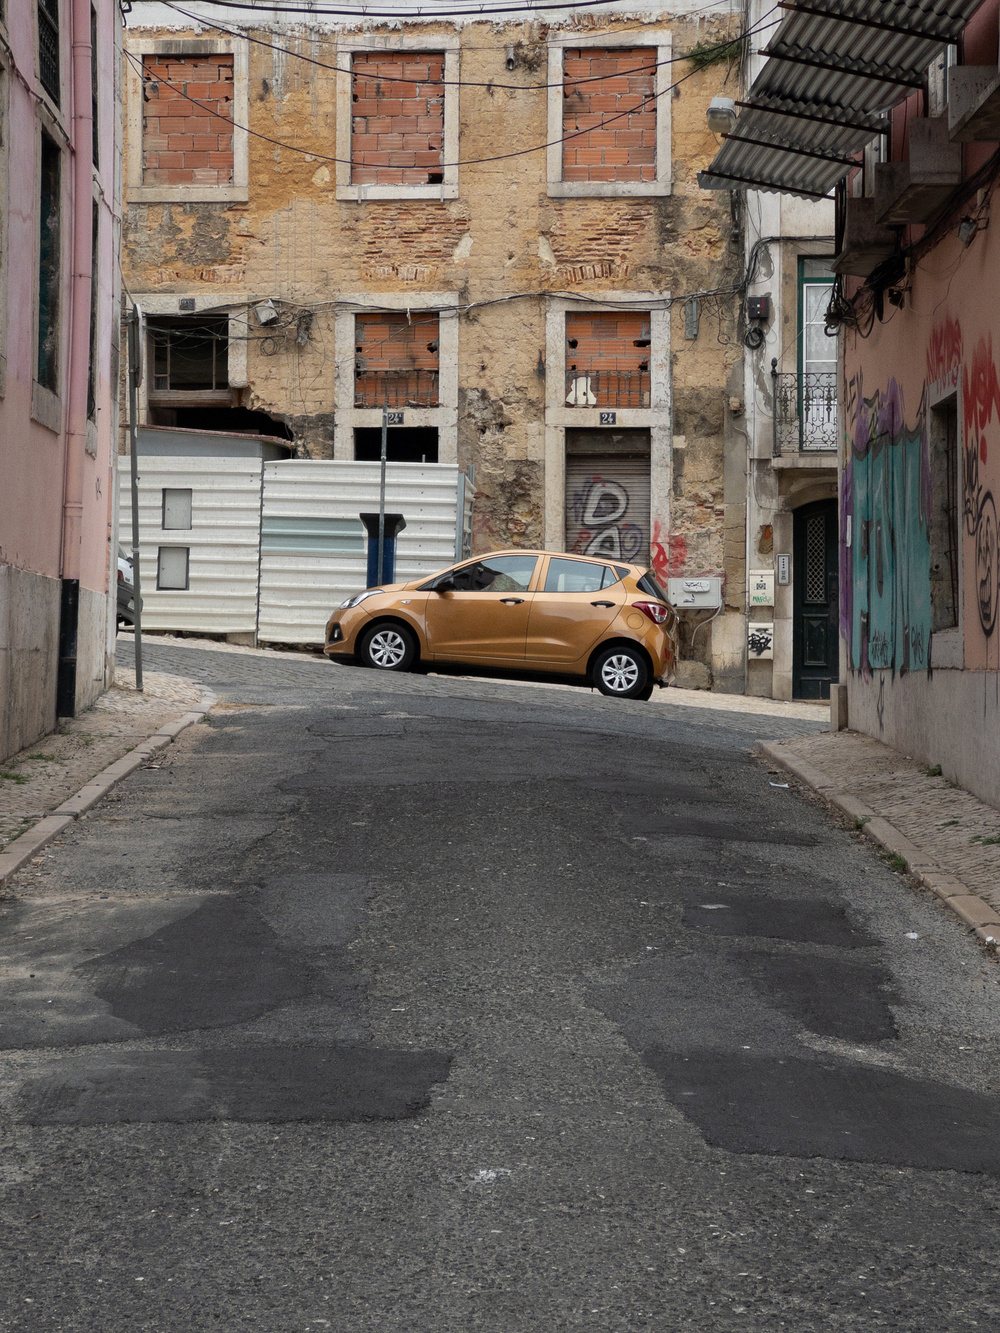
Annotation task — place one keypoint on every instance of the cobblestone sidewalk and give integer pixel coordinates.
(951, 828)
(35, 781)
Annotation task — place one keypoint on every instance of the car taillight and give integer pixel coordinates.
(656, 611)
(121, 577)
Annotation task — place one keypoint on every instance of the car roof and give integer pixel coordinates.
(561, 555)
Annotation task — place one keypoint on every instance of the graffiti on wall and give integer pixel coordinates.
(605, 519)
(885, 505)
(980, 403)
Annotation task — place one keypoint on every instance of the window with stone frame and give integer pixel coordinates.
(396, 359)
(609, 114)
(397, 117)
(607, 358)
(187, 120)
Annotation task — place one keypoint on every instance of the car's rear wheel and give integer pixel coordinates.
(388, 647)
(622, 672)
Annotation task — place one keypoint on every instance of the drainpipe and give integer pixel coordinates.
(78, 357)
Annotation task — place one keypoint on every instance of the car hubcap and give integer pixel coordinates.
(387, 649)
(620, 673)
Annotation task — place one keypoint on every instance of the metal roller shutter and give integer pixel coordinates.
(607, 507)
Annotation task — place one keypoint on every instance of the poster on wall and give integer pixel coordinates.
(760, 640)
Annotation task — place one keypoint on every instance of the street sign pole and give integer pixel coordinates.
(381, 491)
(136, 329)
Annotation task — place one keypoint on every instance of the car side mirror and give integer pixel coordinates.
(445, 585)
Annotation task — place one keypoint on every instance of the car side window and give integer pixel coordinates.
(500, 573)
(577, 576)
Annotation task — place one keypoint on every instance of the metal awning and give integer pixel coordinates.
(834, 68)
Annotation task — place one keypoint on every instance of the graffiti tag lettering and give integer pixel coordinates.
(605, 527)
(980, 403)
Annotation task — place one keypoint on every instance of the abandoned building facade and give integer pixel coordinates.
(492, 230)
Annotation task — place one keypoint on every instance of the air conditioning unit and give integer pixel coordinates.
(866, 241)
(912, 191)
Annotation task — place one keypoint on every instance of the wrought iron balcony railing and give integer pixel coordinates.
(607, 388)
(395, 388)
(805, 411)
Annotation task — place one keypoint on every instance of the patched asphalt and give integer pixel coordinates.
(424, 1003)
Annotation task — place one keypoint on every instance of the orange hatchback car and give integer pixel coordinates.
(600, 620)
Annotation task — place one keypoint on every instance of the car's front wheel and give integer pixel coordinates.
(622, 672)
(388, 648)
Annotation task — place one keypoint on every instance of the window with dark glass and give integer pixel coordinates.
(48, 47)
(92, 372)
(49, 222)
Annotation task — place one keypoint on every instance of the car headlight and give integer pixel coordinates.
(359, 597)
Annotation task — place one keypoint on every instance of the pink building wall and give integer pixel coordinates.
(934, 695)
(58, 471)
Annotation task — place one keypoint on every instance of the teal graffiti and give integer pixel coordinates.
(889, 480)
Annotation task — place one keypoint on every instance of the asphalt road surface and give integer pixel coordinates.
(426, 1005)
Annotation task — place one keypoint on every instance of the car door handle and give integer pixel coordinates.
(602, 603)
(511, 601)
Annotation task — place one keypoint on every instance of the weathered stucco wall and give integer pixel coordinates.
(907, 674)
(501, 245)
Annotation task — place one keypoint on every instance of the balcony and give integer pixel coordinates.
(805, 412)
(607, 388)
(396, 388)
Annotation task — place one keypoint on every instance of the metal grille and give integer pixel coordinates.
(805, 411)
(815, 589)
(607, 388)
(396, 388)
(48, 47)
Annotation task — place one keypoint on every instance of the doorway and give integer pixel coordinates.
(607, 493)
(815, 600)
(404, 444)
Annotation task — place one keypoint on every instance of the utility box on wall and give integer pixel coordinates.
(695, 594)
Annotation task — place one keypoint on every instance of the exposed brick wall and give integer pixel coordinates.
(620, 100)
(397, 133)
(605, 364)
(395, 359)
(184, 143)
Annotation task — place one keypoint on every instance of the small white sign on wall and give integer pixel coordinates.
(761, 587)
(760, 640)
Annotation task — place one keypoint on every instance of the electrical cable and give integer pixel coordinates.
(317, 40)
(490, 84)
(467, 162)
(483, 11)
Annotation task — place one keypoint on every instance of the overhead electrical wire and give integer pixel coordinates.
(363, 13)
(313, 155)
(319, 40)
(440, 83)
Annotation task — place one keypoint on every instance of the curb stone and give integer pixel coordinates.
(972, 910)
(29, 844)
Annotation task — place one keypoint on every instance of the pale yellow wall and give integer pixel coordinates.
(503, 235)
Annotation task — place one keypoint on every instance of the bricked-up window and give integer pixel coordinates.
(609, 114)
(187, 136)
(397, 127)
(396, 359)
(607, 359)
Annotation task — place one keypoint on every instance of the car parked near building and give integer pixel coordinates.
(606, 623)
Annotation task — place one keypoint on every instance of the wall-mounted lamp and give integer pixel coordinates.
(721, 115)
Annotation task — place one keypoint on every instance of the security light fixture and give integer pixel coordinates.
(721, 115)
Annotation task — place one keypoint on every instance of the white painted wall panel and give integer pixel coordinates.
(299, 591)
(223, 539)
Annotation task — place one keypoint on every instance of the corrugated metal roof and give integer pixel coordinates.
(833, 70)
